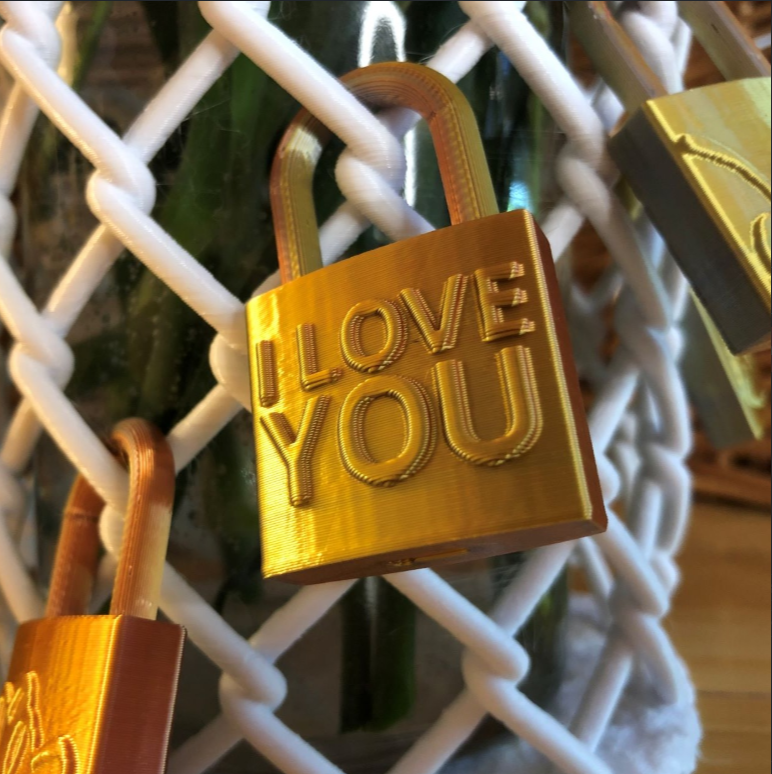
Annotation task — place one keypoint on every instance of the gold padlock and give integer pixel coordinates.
(699, 161)
(417, 404)
(95, 694)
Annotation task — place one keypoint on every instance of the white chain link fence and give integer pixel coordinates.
(639, 420)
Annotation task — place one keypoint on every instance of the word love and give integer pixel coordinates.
(295, 439)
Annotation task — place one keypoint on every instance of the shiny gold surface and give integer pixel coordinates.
(90, 695)
(700, 162)
(441, 437)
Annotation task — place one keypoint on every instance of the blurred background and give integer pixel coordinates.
(721, 620)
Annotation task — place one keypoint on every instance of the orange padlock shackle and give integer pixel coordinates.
(77, 552)
(145, 537)
(626, 70)
(465, 175)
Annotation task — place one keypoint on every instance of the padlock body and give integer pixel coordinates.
(700, 163)
(445, 433)
(90, 695)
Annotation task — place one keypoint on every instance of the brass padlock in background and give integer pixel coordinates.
(721, 385)
(416, 404)
(727, 390)
(95, 694)
(699, 161)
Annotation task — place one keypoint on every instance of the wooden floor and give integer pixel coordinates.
(721, 625)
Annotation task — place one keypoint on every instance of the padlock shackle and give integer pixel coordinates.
(724, 38)
(623, 66)
(613, 54)
(77, 552)
(465, 176)
(145, 536)
(150, 462)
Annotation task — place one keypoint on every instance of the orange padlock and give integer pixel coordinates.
(95, 694)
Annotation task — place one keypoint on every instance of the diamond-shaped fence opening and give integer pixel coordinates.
(630, 569)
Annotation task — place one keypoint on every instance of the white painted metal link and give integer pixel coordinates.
(639, 421)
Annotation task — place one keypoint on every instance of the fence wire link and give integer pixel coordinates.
(639, 420)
